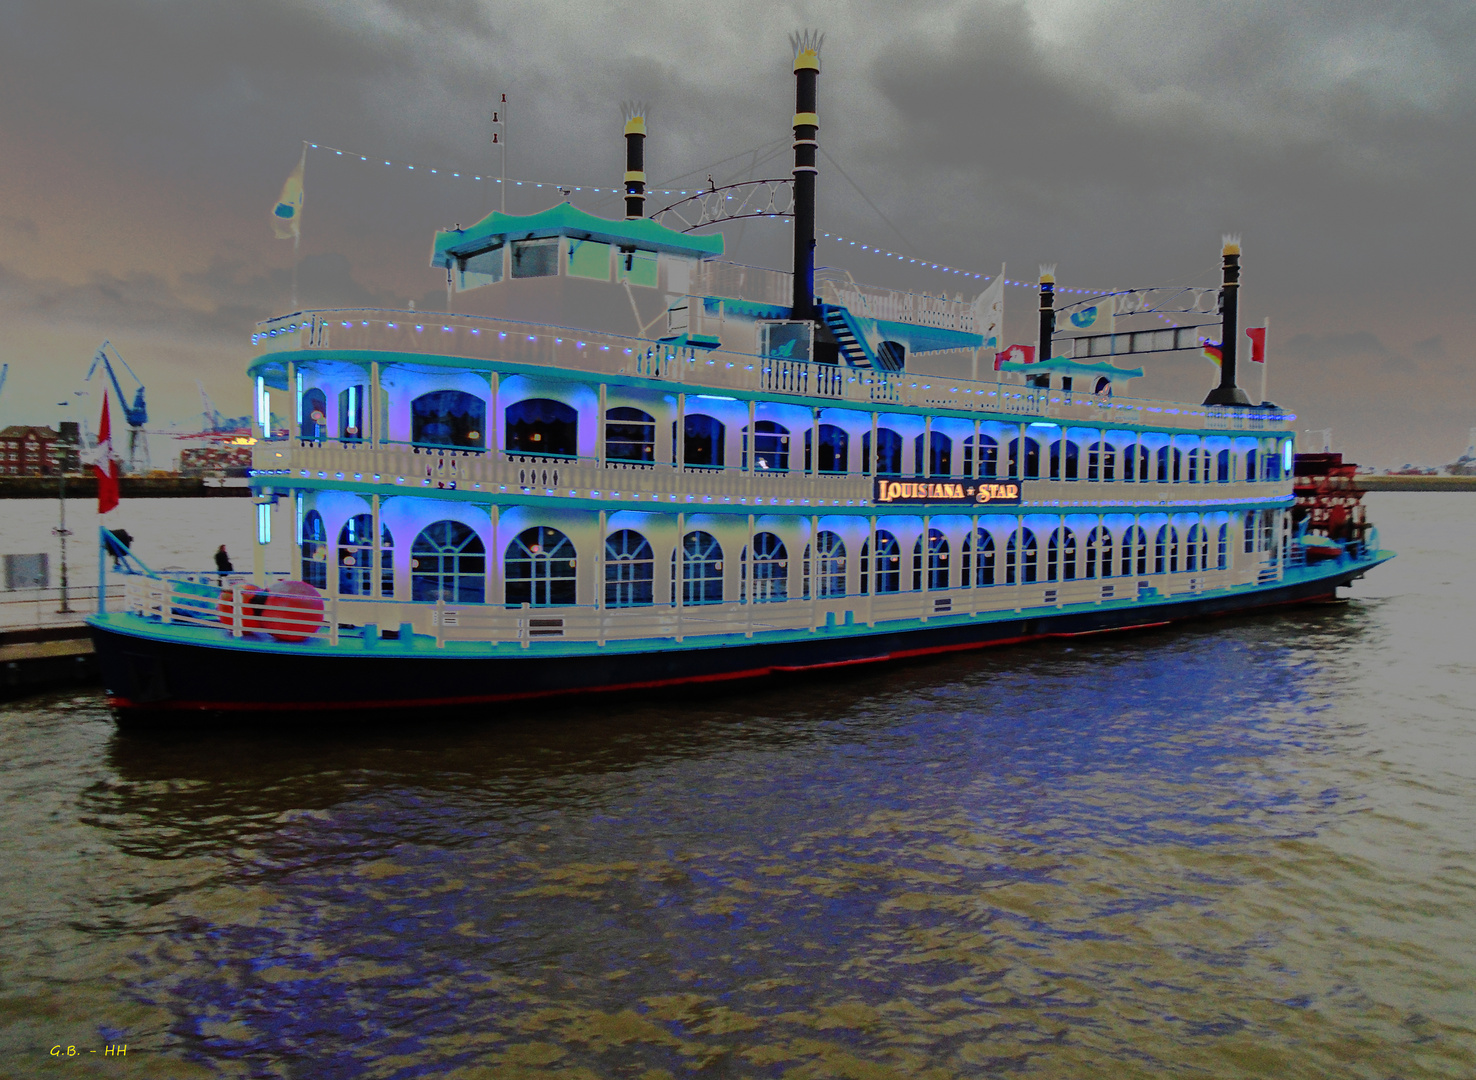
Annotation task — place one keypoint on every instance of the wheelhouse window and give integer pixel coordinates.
(629, 566)
(937, 561)
(630, 435)
(351, 413)
(702, 441)
(636, 266)
(770, 569)
(448, 562)
(834, 450)
(887, 564)
(313, 423)
(770, 447)
(314, 550)
(702, 569)
(449, 418)
(535, 258)
(933, 452)
(539, 565)
(588, 259)
(888, 452)
(356, 558)
(542, 427)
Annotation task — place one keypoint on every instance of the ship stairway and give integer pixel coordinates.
(848, 336)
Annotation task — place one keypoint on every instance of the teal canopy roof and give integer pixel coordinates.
(567, 220)
(1065, 366)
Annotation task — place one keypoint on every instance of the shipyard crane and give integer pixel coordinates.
(137, 414)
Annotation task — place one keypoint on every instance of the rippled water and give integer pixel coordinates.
(1235, 849)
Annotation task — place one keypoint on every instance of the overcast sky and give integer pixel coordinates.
(143, 143)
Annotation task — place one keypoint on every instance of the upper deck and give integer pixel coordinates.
(367, 336)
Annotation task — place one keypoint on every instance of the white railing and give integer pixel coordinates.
(894, 305)
(613, 356)
(738, 282)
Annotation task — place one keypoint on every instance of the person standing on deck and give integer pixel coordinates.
(222, 562)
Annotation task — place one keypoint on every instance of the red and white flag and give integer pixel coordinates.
(105, 464)
(1015, 354)
(1257, 334)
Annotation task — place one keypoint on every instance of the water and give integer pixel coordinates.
(1236, 849)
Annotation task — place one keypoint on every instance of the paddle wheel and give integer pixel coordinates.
(1329, 504)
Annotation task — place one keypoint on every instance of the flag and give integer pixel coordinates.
(1096, 319)
(104, 464)
(287, 213)
(1015, 354)
(1257, 334)
(1212, 351)
(989, 313)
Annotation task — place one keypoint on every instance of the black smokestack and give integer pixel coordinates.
(1227, 393)
(635, 160)
(806, 127)
(1047, 312)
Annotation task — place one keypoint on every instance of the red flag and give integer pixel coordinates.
(106, 465)
(1015, 354)
(1257, 334)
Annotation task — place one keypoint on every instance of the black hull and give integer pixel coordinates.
(149, 679)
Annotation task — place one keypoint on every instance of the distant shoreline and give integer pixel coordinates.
(130, 487)
(1377, 482)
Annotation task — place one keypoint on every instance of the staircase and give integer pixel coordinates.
(852, 345)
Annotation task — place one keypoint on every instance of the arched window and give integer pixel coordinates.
(1135, 540)
(1031, 463)
(540, 568)
(1193, 469)
(1173, 550)
(313, 423)
(888, 563)
(356, 558)
(351, 411)
(448, 562)
(770, 447)
(834, 450)
(543, 427)
(988, 463)
(1135, 464)
(770, 569)
(1250, 464)
(1029, 561)
(1160, 554)
(888, 452)
(1223, 562)
(1170, 464)
(630, 435)
(1191, 551)
(933, 453)
(1099, 552)
(1061, 555)
(702, 441)
(629, 566)
(702, 569)
(1250, 532)
(978, 559)
(1065, 460)
(314, 550)
(937, 561)
(1222, 467)
(830, 568)
(448, 418)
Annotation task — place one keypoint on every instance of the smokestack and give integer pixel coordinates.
(806, 127)
(1227, 393)
(1047, 312)
(635, 160)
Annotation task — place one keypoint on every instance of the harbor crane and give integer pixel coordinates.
(137, 414)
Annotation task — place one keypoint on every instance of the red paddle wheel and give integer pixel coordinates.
(1329, 501)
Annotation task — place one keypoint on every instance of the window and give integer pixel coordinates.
(448, 418)
(448, 562)
(1031, 464)
(770, 447)
(1160, 540)
(540, 568)
(1194, 465)
(636, 266)
(314, 550)
(630, 435)
(313, 423)
(1135, 464)
(1135, 540)
(988, 464)
(1222, 473)
(978, 550)
(351, 414)
(1065, 460)
(702, 441)
(629, 566)
(937, 561)
(1099, 551)
(1191, 552)
(1223, 561)
(483, 268)
(1173, 551)
(588, 259)
(888, 452)
(356, 558)
(1061, 555)
(1029, 562)
(830, 565)
(702, 569)
(535, 258)
(834, 450)
(1250, 530)
(933, 453)
(1170, 463)
(543, 427)
(888, 563)
(770, 569)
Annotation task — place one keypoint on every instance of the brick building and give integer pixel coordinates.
(26, 450)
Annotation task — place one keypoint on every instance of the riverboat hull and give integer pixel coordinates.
(183, 675)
